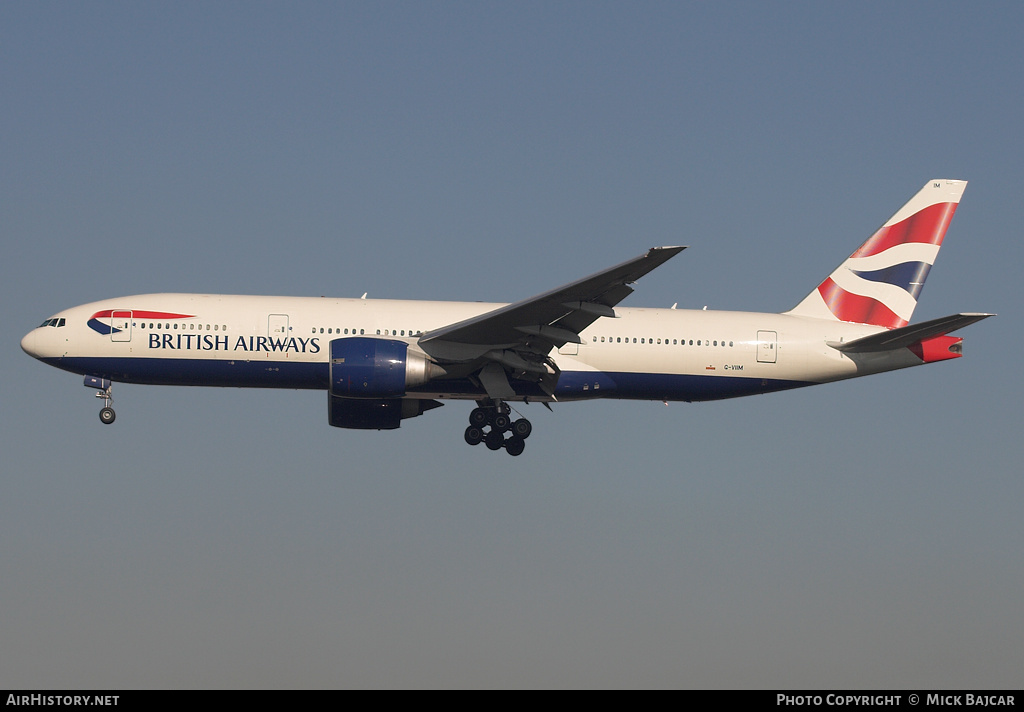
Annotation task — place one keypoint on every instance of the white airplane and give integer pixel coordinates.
(382, 361)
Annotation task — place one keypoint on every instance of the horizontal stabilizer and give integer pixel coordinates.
(908, 335)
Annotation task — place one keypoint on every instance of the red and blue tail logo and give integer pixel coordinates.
(880, 283)
(100, 322)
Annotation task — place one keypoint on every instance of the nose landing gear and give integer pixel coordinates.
(489, 423)
(107, 414)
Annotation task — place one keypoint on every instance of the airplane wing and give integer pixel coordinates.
(519, 336)
(909, 335)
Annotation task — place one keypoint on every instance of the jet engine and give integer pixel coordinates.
(365, 367)
(368, 378)
(375, 413)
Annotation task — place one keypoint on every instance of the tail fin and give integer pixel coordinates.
(880, 282)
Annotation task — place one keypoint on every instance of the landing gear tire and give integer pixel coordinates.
(522, 428)
(491, 423)
(107, 415)
(514, 446)
(479, 417)
(494, 440)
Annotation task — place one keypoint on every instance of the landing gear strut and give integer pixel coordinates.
(490, 421)
(107, 414)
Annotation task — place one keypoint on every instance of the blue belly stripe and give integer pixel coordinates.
(572, 385)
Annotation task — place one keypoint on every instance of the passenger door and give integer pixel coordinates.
(120, 325)
(277, 326)
(767, 346)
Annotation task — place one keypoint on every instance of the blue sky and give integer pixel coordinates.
(861, 534)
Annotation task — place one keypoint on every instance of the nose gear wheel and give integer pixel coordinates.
(107, 414)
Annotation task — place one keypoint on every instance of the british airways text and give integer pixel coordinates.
(209, 342)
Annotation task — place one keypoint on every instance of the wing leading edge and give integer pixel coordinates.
(557, 316)
(518, 337)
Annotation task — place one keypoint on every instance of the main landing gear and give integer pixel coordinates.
(107, 414)
(491, 422)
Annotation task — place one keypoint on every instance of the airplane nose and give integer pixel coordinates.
(28, 343)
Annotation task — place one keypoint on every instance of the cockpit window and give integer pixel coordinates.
(52, 322)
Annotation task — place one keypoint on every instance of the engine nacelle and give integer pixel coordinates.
(365, 367)
(374, 413)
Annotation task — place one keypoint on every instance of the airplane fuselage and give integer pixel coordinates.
(282, 342)
(383, 361)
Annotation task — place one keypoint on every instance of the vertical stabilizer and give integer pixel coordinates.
(879, 284)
